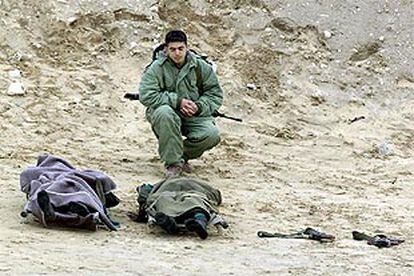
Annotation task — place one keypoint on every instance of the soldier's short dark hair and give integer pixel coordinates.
(176, 36)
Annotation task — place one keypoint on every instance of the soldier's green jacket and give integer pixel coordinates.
(164, 84)
(176, 197)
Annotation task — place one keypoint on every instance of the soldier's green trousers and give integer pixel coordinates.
(169, 127)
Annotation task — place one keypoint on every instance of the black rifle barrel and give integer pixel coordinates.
(135, 97)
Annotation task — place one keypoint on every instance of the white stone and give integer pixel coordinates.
(15, 74)
(16, 88)
(132, 45)
(327, 34)
(381, 38)
(72, 19)
(37, 45)
(251, 86)
(385, 148)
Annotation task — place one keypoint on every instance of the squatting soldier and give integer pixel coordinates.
(181, 92)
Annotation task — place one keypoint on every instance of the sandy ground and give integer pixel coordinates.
(298, 159)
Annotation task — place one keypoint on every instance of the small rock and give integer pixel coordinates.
(132, 45)
(317, 97)
(72, 19)
(15, 74)
(16, 88)
(154, 8)
(17, 56)
(327, 34)
(4, 106)
(381, 38)
(37, 45)
(385, 148)
(251, 86)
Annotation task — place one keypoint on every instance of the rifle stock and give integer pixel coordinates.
(216, 113)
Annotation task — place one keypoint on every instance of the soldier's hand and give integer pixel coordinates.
(188, 108)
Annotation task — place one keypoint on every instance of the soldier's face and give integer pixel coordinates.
(177, 51)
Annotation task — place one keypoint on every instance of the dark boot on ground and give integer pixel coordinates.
(78, 208)
(166, 222)
(45, 205)
(198, 224)
(111, 200)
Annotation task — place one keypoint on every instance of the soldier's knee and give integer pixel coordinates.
(213, 137)
(164, 112)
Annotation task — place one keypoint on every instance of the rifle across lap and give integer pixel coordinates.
(216, 113)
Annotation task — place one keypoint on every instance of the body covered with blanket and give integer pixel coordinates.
(180, 203)
(59, 194)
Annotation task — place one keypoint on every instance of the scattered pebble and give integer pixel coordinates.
(16, 89)
(72, 19)
(132, 45)
(385, 149)
(154, 9)
(37, 45)
(15, 74)
(17, 56)
(251, 86)
(327, 34)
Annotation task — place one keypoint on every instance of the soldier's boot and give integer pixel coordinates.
(166, 222)
(198, 224)
(45, 205)
(78, 208)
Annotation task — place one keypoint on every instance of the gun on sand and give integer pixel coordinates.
(216, 113)
(308, 233)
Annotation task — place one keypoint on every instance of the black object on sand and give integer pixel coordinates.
(379, 241)
(308, 233)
